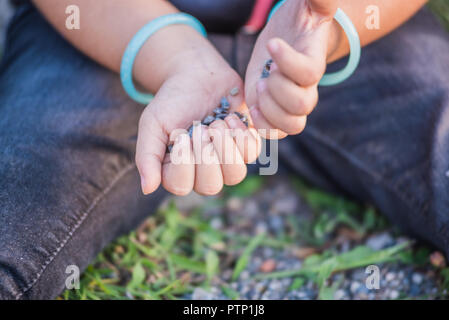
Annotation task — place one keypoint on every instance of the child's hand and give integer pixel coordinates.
(189, 95)
(296, 39)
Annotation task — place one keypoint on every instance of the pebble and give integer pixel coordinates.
(415, 290)
(389, 276)
(354, 287)
(216, 223)
(437, 259)
(276, 223)
(251, 209)
(244, 275)
(261, 227)
(201, 294)
(417, 278)
(268, 252)
(394, 294)
(234, 204)
(285, 205)
(380, 241)
(339, 295)
(268, 266)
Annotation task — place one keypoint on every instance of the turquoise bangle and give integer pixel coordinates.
(126, 69)
(335, 78)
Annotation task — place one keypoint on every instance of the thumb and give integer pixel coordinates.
(324, 7)
(150, 150)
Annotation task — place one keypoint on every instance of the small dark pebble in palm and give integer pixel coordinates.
(267, 69)
(220, 113)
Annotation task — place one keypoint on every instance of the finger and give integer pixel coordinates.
(294, 99)
(246, 139)
(324, 7)
(150, 151)
(264, 128)
(300, 68)
(208, 175)
(178, 170)
(290, 124)
(233, 167)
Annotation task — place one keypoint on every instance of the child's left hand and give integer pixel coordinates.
(296, 39)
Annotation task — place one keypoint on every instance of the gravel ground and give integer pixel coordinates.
(268, 211)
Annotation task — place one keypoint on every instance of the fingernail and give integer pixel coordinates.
(273, 45)
(261, 86)
(233, 121)
(179, 138)
(205, 137)
(143, 184)
(253, 111)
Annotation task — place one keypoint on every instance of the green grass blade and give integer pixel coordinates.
(243, 261)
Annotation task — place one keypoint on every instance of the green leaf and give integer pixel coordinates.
(328, 293)
(243, 261)
(297, 284)
(138, 275)
(230, 293)
(358, 257)
(325, 271)
(212, 264)
(186, 263)
(247, 187)
(172, 215)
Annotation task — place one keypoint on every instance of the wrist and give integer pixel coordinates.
(337, 44)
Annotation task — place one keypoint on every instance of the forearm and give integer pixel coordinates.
(393, 13)
(108, 26)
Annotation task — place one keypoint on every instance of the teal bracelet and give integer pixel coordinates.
(335, 78)
(126, 69)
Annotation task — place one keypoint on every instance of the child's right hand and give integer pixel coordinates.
(190, 94)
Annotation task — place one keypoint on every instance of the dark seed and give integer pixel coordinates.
(219, 110)
(238, 114)
(220, 113)
(234, 91)
(265, 74)
(268, 64)
(267, 68)
(224, 102)
(221, 116)
(208, 120)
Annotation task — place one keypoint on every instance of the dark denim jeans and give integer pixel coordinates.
(68, 183)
